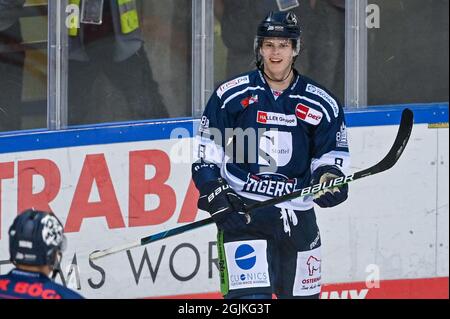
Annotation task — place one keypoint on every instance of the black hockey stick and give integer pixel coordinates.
(404, 132)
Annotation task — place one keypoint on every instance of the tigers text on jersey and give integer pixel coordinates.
(266, 146)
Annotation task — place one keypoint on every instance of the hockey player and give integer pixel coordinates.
(36, 243)
(299, 138)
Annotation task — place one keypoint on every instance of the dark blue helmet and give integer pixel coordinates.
(36, 238)
(278, 25)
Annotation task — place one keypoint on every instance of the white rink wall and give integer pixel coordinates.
(397, 220)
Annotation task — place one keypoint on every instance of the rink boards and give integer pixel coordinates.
(114, 184)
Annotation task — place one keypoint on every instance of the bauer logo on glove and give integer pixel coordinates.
(333, 196)
(225, 206)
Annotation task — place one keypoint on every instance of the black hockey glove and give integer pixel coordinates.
(332, 196)
(225, 206)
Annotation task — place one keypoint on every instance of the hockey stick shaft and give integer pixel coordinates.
(150, 239)
(403, 135)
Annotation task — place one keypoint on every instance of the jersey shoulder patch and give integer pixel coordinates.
(232, 84)
(308, 114)
(315, 90)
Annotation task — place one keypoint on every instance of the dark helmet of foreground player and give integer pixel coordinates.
(36, 239)
(278, 25)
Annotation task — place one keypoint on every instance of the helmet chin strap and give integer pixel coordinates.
(274, 80)
(56, 268)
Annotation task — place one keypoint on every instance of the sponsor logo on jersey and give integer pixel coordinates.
(270, 118)
(341, 137)
(275, 148)
(324, 95)
(273, 185)
(308, 273)
(308, 115)
(249, 101)
(245, 257)
(26, 289)
(247, 265)
(313, 265)
(232, 84)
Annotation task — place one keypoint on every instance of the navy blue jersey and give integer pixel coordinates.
(19, 284)
(267, 146)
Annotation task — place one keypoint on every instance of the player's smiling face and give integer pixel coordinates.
(277, 55)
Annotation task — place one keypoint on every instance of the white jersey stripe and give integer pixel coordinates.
(250, 88)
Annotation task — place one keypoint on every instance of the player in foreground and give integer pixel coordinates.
(36, 244)
(299, 138)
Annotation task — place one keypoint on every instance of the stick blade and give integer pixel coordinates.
(404, 133)
(401, 140)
